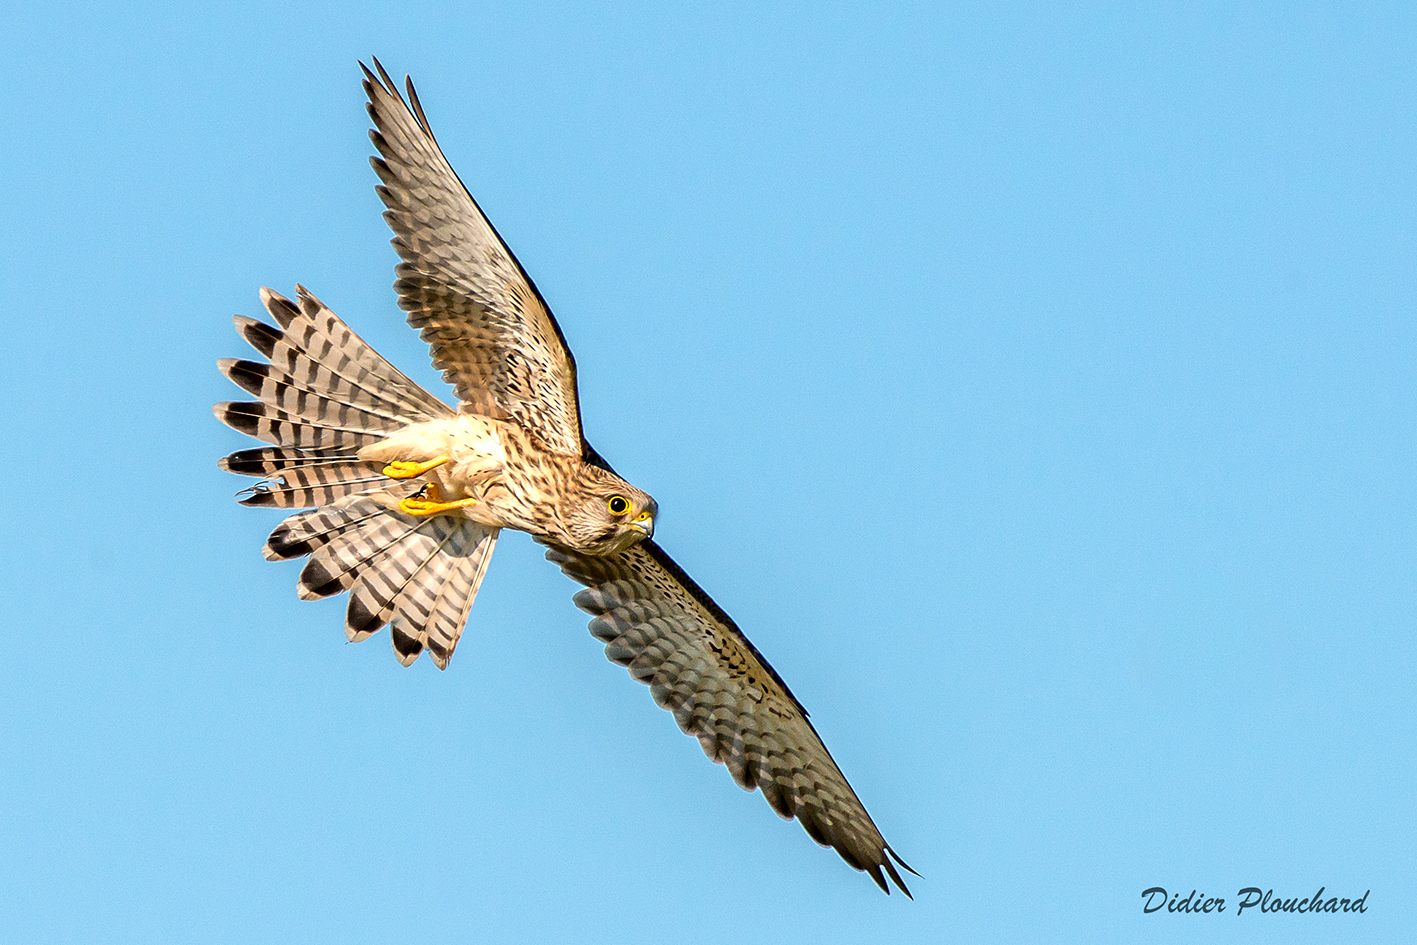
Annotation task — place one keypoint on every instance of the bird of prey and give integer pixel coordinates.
(407, 495)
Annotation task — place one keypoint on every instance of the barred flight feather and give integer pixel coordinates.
(419, 576)
(325, 389)
(303, 487)
(662, 627)
(303, 478)
(258, 335)
(491, 333)
(319, 333)
(333, 568)
(277, 390)
(318, 352)
(308, 532)
(423, 587)
(284, 429)
(311, 392)
(269, 460)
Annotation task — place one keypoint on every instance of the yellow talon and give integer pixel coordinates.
(432, 503)
(401, 469)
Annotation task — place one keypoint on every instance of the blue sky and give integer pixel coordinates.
(1033, 385)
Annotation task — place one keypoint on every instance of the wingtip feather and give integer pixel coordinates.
(389, 85)
(896, 856)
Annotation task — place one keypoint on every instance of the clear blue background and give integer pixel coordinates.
(1035, 386)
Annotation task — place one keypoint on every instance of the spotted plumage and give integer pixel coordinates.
(407, 496)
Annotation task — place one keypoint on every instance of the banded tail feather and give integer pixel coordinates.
(419, 576)
(313, 330)
(335, 566)
(322, 396)
(294, 478)
(308, 392)
(280, 428)
(308, 532)
(423, 587)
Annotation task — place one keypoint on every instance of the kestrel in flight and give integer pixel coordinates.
(407, 495)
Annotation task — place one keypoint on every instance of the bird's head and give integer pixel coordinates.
(610, 515)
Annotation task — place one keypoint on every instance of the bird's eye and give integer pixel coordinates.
(618, 505)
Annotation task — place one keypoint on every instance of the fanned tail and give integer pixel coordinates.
(418, 575)
(322, 396)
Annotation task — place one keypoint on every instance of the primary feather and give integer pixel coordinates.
(655, 621)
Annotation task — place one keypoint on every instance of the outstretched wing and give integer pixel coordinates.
(656, 621)
(491, 333)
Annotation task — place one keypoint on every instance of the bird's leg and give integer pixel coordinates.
(432, 503)
(402, 469)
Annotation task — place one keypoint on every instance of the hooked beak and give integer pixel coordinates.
(645, 523)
